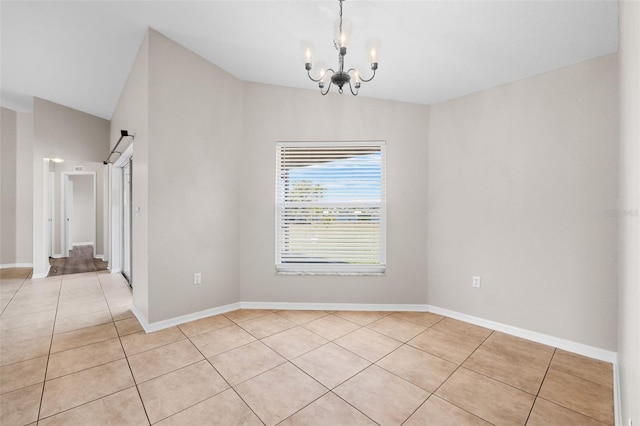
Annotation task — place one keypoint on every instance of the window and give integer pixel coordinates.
(330, 207)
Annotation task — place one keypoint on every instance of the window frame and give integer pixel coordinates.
(316, 268)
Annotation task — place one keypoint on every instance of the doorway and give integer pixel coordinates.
(79, 211)
(121, 172)
(127, 183)
(51, 207)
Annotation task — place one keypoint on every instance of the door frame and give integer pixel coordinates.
(117, 213)
(63, 206)
(51, 212)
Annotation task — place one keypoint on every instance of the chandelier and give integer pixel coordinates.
(340, 77)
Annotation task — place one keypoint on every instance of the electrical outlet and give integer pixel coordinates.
(197, 278)
(476, 282)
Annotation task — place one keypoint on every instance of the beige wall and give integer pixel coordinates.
(132, 114)
(60, 132)
(194, 147)
(24, 189)
(629, 206)
(8, 174)
(521, 177)
(274, 114)
(512, 184)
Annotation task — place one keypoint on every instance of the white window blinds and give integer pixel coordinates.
(330, 207)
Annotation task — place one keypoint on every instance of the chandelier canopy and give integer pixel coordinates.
(340, 77)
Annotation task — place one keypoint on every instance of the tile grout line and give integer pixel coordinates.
(307, 374)
(555, 402)
(331, 390)
(135, 383)
(173, 371)
(574, 411)
(223, 378)
(433, 394)
(537, 394)
(14, 294)
(46, 369)
(458, 368)
(286, 360)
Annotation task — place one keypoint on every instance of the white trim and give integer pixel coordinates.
(84, 243)
(57, 256)
(334, 306)
(334, 269)
(51, 211)
(101, 257)
(124, 157)
(16, 265)
(141, 319)
(545, 339)
(116, 209)
(617, 402)
(171, 322)
(43, 275)
(105, 212)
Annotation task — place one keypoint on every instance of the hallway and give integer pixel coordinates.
(80, 260)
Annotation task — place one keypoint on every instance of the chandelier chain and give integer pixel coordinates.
(341, 16)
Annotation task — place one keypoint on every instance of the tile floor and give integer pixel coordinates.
(72, 353)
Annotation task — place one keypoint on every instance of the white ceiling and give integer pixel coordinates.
(79, 53)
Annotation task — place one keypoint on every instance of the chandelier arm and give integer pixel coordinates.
(328, 88)
(311, 78)
(368, 80)
(321, 78)
(352, 92)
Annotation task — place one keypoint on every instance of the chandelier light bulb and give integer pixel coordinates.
(307, 56)
(372, 55)
(356, 75)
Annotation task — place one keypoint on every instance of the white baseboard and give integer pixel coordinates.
(57, 256)
(101, 257)
(16, 265)
(333, 306)
(617, 403)
(43, 275)
(567, 345)
(545, 339)
(83, 243)
(171, 322)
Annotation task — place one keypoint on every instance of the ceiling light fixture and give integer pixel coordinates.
(341, 77)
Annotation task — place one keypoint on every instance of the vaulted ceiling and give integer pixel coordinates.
(79, 53)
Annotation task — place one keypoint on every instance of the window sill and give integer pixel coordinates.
(333, 270)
